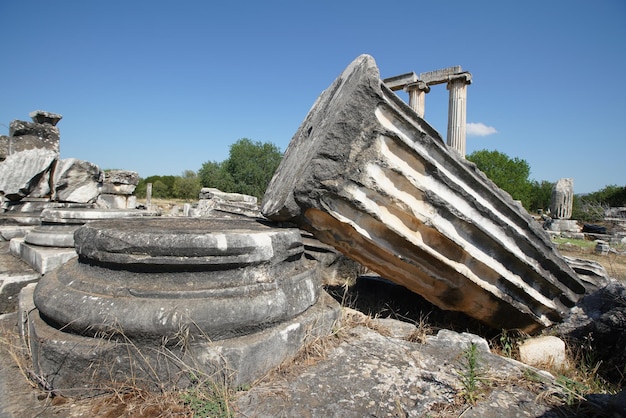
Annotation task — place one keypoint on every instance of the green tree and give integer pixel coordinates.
(160, 190)
(163, 190)
(612, 195)
(511, 175)
(187, 186)
(213, 174)
(540, 194)
(248, 169)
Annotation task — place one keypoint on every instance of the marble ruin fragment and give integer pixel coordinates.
(117, 188)
(159, 298)
(366, 175)
(561, 205)
(562, 199)
(214, 202)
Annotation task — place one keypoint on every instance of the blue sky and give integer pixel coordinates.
(161, 87)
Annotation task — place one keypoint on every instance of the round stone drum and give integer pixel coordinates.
(156, 278)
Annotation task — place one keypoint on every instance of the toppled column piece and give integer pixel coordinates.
(369, 177)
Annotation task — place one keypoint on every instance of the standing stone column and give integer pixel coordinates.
(417, 95)
(457, 106)
(562, 199)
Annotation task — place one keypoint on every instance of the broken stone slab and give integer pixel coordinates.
(26, 173)
(238, 292)
(116, 201)
(210, 193)
(44, 117)
(19, 128)
(76, 181)
(12, 144)
(78, 215)
(215, 203)
(28, 204)
(41, 259)
(364, 174)
(119, 182)
(375, 375)
(14, 275)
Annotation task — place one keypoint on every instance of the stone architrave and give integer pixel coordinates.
(364, 174)
(76, 181)
(23, 172)
(562, 199)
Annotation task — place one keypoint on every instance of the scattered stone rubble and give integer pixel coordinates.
(44, 198)
(364, 174)
(223, 292)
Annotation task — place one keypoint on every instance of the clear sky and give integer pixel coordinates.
(160, 87)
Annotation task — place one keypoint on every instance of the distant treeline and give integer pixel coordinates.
(251, 165)
(248, 170)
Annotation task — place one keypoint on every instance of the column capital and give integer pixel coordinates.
(465, 78)
(417, 85)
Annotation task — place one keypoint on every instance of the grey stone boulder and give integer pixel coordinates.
(76, 181)
(25, 172)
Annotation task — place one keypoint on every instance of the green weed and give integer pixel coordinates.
(471, 375)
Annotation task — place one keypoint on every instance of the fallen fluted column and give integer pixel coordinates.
(365, 174)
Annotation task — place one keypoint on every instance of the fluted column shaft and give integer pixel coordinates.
(417, 96)
(457, 113)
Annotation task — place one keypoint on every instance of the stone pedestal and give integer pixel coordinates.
(157, 299)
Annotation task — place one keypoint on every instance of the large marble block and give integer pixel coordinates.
(368, 176)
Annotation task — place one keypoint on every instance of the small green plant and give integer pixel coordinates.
(208, 399)
(471, 375)
(507, 343)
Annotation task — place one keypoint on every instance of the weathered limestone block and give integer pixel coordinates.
(211, 193)
(544, 351)
(225, 296)
(76, 181)
(14, 275)
(367, 176)
(116, 201)
(121, 182)
(25, 172)
(214, 202)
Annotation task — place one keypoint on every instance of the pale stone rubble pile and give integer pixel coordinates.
(33, 176)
